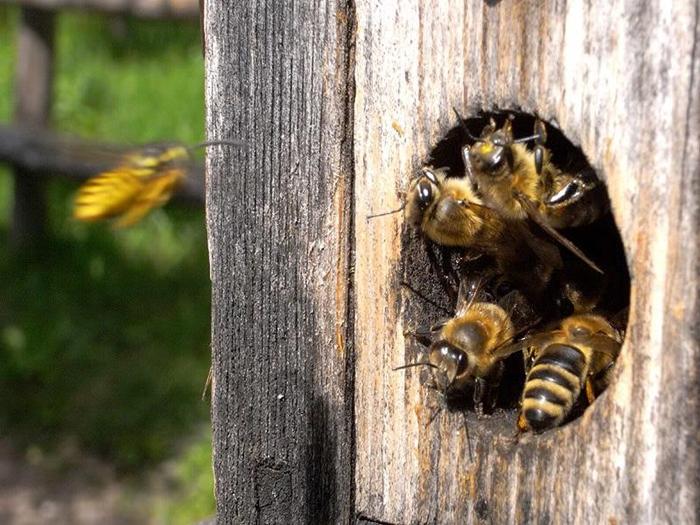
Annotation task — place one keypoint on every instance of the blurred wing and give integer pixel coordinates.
(107, 195)
(534, 214)
(155, 192)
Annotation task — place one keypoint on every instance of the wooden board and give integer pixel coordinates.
(279, 221)
(33, 85)
(621, 80)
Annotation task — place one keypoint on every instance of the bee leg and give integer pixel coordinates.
(522, 425)
(480, 387)
(421, 335)
(426, 299)
(590, 391)
(494, 381)
(443, 270)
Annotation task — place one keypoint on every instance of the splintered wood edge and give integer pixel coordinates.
(622, 84)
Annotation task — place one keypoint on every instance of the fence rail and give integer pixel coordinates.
(181, 9)
(42, 153)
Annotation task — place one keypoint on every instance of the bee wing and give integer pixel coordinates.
(606, 345)
(107, 195)
(155, 192)
(469, 291)
(520, 311)
(506, 349)
(605, 352)
(534, 214)
(529, 346)
(545, 251)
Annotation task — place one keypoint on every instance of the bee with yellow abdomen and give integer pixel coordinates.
(141, 181)
(577, 356)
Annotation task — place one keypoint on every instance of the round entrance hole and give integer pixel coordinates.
(432, 274)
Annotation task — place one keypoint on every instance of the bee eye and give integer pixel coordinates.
(452, 358)
(499, 139)
(425, 193)
(580, 331)
(462, 362)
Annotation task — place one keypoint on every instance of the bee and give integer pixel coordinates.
(449, 212)
(470, 348)
(141, 180)
(525, 184)
(577, 356)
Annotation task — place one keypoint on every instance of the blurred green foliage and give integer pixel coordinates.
(104, 334)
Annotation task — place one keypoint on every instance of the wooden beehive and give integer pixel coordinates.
(340, 102)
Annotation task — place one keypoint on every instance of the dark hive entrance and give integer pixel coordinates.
(427, 269)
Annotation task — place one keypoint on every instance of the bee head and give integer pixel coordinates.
(490, 153)
(424, 191)
(449, 363)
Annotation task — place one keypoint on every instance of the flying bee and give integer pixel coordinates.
(468, 350)
(525, 184)
(448, 212)
(577, 356)
(141, 181)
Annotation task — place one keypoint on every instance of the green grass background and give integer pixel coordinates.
(104, 334)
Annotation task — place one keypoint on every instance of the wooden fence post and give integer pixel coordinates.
(34, 79)
(286, 222)
(279, 76)
(621, 80)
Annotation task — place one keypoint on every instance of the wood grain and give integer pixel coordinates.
(279, 216)
(621, 81)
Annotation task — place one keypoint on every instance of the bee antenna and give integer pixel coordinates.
(412, 365)
(526, 139)
(433, 416)
(397, 210)
(426, 299)
(207, 383)
(237, 143)
(464, 125)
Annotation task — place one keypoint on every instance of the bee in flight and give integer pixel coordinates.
(577, 356)
(525, 184)
(141, 181)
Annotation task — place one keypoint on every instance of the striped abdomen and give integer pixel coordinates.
(552, 386)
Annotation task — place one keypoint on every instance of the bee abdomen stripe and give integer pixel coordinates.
(567, 357)
(552, 374)
(541, 393)
(539, 419)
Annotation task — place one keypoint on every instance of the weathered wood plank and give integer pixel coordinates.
(33, 85)
(142, 8)
(278, 75)
(621, 80)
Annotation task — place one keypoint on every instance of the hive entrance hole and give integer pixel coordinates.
(428, 303)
